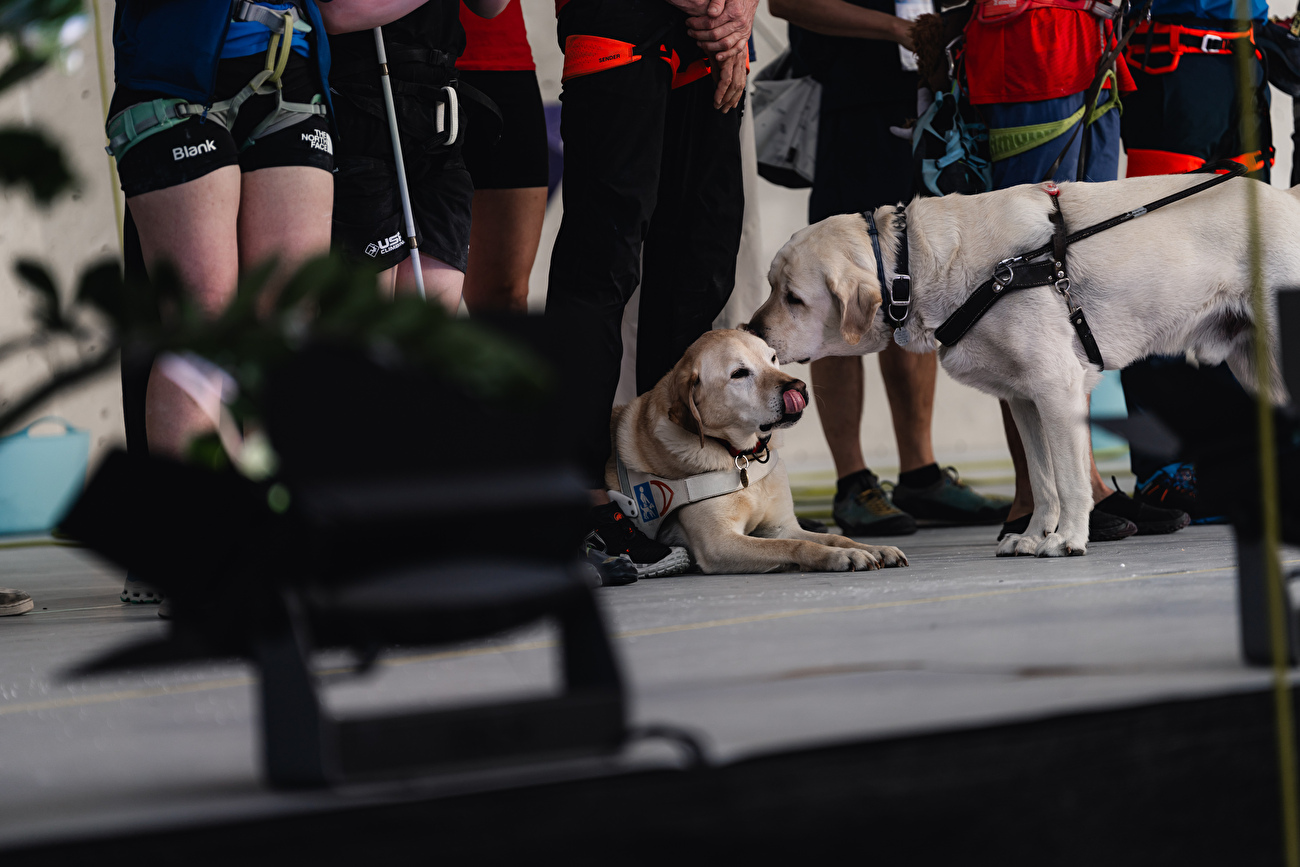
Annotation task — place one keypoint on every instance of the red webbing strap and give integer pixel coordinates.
(584, 55)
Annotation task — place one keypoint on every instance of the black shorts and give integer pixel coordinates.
(860, 163)
(368, 222)
(196, 147)
(519, 159)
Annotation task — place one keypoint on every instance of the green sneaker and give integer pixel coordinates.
(861, 508)
(950, 500)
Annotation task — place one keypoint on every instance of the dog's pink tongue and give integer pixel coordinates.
(794, 401)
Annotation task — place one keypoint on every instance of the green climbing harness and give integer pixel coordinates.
(1015, 140)
(133, 125)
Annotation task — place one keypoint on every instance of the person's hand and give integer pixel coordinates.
(725, 33)
(707, 8)
(730, 75)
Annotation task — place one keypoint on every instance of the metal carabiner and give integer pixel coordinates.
(999, 279)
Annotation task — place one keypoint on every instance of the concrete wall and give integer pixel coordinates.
(80, 229)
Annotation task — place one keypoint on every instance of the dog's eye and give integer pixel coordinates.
(792, 298)
(774, 359)
(739, 373)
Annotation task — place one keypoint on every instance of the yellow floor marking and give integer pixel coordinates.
(226, 683)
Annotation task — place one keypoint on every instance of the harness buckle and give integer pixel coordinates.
(903, 282)
(1003, 273)
(1205, 44)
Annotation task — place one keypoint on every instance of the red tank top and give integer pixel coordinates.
(1042, 53)
(497, 44)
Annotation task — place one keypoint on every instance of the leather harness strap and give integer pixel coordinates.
(1020, 273)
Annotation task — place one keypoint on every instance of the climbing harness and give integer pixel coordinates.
(132, 125)
(1170, 42)
(585, 55)
(1021, 272)
(648, 499)
(1005, 10)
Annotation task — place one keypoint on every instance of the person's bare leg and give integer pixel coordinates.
(909, 386)
(837, 387)
(1100, 490)
(1024, 499)
(192, 226)
(442, 282)
(1023, 503)
(503, 240)
(285, 212)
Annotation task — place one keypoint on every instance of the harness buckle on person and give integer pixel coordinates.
(135, 123)
(1218, 49)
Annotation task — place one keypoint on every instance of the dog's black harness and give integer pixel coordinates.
(1020, 273)
(895, 295)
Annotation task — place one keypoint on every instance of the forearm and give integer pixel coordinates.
(348, 16)
(487, 8)
(838, 18)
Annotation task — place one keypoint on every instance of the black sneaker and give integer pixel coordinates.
(952, 501)
(608, 571)
(1174, 487)
(616, 536)
(861, 508)
(1102, 527)
(1150, 521)
(14, 602)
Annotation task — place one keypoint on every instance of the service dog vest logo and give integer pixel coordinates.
(194, 150)
(387, 245)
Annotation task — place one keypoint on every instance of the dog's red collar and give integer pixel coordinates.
(758, 449)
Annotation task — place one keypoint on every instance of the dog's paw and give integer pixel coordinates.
(851, 560)
(889, 556)
(1016, 545)
(1056, 545)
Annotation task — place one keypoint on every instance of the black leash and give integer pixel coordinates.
(1019, 273)
(1104, 65)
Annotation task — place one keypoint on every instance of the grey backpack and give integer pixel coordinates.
(786, 113)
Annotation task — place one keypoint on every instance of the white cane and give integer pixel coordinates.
(401, 167)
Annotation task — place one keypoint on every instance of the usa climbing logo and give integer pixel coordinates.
(387, 245)
(645, 502)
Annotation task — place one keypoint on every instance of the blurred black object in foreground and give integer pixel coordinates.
(1219, 433)
(406, 509)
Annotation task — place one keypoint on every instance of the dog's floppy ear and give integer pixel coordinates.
(682, 400)
(857, 308)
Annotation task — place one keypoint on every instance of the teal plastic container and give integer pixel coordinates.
(40, 476)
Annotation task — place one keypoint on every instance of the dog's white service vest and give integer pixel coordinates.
(648, 499)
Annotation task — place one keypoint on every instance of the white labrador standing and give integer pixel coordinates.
(722, 397)
(1172, 281)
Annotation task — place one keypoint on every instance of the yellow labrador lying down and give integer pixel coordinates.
(710, 426)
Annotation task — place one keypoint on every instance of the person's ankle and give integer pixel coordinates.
(921, 477)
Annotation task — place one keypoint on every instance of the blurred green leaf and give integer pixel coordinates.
(28, 158)
(23, 66)
(102, 288)
(48, 309)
